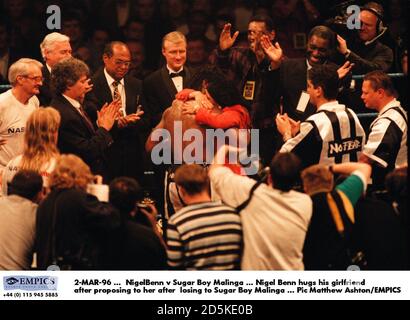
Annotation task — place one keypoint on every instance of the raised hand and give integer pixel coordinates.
(345, 69)
(88, 86)
(342, 47)
(273, 51)
(225, 39)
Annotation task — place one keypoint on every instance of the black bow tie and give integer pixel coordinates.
(177, 74)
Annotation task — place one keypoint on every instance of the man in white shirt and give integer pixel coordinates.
(276, 219)
(16, 105)
(386, 146)
(333, 134)
(18, 220)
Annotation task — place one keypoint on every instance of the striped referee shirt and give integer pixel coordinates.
(204, 236)
(387, 142)
(332, 135)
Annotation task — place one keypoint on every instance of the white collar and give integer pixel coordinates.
(172, 71)
(48, 68)
(391, 104)
(110, 79)
(74, 102)
(330, 106)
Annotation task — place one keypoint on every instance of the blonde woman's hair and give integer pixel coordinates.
(40, 138)
(70, 172)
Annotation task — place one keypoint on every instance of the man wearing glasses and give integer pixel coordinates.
(110, 83)
(16, 105)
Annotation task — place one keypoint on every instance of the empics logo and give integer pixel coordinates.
(29, 283)
(11, 281)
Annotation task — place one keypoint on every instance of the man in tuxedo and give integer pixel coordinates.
(77, 133)
(162, 85)
(160, 89)
(125, 155)
(54, 48)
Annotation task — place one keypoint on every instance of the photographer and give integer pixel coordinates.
(137, 245)
(364, 49)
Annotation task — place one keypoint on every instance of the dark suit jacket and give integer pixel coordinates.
(160, 91)
(45, 95)
(293, 79)
(75, 136)
(125, 155)
(82, 223)
(136, 247)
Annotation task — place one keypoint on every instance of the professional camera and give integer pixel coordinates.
(339, 22)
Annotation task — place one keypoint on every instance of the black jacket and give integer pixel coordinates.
(76, 137)
(82, 227)
(160, 91)
(125, 155)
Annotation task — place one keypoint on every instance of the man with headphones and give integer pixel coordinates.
(365, 50)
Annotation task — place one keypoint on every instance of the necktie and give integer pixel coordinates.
(177, 74)
(117, 95)
(87, 120)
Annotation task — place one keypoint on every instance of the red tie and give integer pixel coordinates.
(87, 120)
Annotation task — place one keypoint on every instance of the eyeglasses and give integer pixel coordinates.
(120, 63)
(36, 79)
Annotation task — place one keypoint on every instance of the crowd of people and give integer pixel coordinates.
(330, 188)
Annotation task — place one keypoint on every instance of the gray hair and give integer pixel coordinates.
(50, 40)
(21, 68)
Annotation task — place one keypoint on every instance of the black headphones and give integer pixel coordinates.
(378, 12)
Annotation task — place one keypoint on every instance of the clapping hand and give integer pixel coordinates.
(129, 119)
(107, 114)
